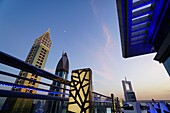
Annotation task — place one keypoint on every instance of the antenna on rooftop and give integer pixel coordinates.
(125, 78)
(48, 30)
(63, 52)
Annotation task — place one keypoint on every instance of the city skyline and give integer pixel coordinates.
(37, 57)
(88, 31)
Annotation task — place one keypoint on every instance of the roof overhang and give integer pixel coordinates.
(139, 24)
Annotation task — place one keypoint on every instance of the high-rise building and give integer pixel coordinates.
(128, 91)
(62, 70)
(37, 57)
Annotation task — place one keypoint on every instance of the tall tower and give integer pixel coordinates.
(128, 91)
(62, 70)
(37, 57)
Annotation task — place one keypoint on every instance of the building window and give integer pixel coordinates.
(27, 91)
(19, 82)
(36, 76)
(31, 91)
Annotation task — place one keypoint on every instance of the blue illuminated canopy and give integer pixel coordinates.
(140, 23)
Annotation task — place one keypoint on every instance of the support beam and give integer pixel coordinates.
(139, 33)
(141, 20)
(113, 104)
(142, 12)
(137, 42)
(138, 38)
(101, 94)
(144, 26)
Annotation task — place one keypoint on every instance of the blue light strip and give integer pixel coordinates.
(15, 94)
(140, 3)
(2, 83)
(141, 17)
(142, 14)
(146, 18)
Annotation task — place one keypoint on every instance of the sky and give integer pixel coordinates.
(88, 31)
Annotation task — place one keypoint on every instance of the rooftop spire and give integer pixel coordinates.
(63, 64)
(48, 30)
(63, 52)
(125, 78)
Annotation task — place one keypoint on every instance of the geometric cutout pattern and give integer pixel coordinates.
(80, 97)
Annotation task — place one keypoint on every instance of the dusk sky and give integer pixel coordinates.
(88, 31)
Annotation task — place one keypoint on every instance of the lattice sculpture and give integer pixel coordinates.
(80, 98)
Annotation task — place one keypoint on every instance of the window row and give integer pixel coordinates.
(28, 91)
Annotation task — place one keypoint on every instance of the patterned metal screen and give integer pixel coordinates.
(80, 98)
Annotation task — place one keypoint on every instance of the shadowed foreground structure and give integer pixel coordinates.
(145, 28)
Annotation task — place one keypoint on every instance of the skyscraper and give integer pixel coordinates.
(62, 70)
(128, 91)
(37, 57)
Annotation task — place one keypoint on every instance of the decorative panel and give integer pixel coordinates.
(80, 98)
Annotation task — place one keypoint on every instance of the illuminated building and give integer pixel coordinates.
(37, 57)
(145, 28)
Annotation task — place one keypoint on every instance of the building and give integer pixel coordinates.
(62, 71)
(131, 105)
(128, 91)
(145, 28)
(37, 57)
